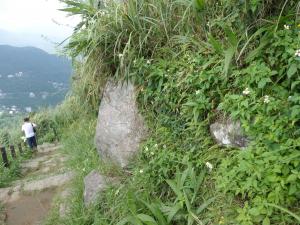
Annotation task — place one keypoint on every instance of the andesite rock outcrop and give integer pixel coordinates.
(229, 133)
(94, 184)
(120, 127)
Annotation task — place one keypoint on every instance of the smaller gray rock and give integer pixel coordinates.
(94, 183)
(229, 133)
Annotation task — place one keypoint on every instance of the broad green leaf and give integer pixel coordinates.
(234, 97)
(293, 189)
(229, 53)
(262, 83)
(292, 70)
(292, 178)
(154, 208)
(205, 204)
(198, 182)
(171, 211)
(295, 84)
(73, 10)
(232, 38)
(187, 201)
(254, 211)
(266, 221)
(215, 44)
(199, 4)
(184, 175)
(174, 187)
(129, 220)
(264, 41)
(147, 219)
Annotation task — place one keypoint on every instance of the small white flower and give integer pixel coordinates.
(141, 171)
(156, 145)
(134, 61)
(266, 99)
(103, 13)
(290, 97)
(120, 55)
(246, 91)
(287, 27)
(164, 146)
(148, 61)
(146, 149)
(209, 166)
(197, 92)
(152, 153)
(297, 53)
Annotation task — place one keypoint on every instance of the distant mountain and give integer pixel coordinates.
(30, 77)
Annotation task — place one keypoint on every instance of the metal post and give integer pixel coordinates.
(20, 148)
(13, 152)
(4, 156)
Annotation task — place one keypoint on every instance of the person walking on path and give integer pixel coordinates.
(29, 129)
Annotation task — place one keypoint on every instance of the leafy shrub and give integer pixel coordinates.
(190, 67)
(268, 171)
(46, 126)
(185, 207)
(9, 174)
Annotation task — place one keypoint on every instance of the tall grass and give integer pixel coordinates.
(110, 38)
(130, 41)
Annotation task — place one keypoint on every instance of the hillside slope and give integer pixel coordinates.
(194, 64)
(30, 77)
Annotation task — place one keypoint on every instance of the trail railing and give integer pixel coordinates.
(13, 153)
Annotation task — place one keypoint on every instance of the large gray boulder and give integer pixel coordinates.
(94, 184)
(120, 127)
(229, 133)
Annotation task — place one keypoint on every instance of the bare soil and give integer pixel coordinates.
(29, 209)
(29, 200)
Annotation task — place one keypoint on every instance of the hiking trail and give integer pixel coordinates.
(28, 200)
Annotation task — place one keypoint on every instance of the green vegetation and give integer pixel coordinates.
(8, 175)
(193, 63)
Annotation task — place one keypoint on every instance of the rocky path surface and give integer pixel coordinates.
(28, 200)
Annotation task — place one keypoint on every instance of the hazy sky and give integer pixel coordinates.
(38, 17)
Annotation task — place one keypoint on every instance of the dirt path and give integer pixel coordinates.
(29, 199)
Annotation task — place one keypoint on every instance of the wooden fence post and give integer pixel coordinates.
(20, 148)
(4, 156)
(13, 152)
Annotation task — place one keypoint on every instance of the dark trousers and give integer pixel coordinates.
(32, 142)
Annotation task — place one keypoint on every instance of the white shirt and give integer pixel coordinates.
(27, 127)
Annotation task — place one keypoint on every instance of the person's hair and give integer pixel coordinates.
(26, 119)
